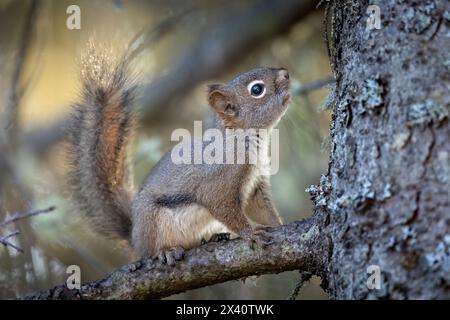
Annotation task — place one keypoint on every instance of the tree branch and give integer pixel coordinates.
(300, 245)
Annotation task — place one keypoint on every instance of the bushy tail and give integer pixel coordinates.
(100, 177)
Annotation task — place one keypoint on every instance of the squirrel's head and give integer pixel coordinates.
(255, 99)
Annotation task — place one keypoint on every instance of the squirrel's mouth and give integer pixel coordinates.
(282, 86)
(286, 97)
(284, 92)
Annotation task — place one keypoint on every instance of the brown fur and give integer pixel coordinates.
(100, 178)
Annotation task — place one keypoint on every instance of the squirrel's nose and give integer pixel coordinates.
(283, 74)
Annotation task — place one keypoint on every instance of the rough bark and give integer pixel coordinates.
(387, 189)
(300, 245)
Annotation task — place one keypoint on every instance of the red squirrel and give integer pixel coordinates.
(178, 205)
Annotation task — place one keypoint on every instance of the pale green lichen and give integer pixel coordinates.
(312, 232)
(427, 112)
(371, 95)
(319, 193)
(447, 62)
(418, 20)
(439, 259)
(400, 140)
(443, 169)
(447, 15)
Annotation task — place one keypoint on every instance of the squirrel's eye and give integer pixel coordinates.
(257, 89)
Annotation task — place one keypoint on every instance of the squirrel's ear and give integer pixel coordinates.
(214, 86)
(220, 101)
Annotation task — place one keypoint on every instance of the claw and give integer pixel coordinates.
(162, 257)
(170, 256)
(178, 253)
(170, 259)
(218, 237)
(261, 236)
(262, 227)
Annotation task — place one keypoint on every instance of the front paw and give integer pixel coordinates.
(171, 256)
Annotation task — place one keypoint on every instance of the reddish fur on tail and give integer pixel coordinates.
(100, 177)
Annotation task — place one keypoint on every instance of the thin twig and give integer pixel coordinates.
(15, 217)
(304, 277)
(19, 216)
(148, 36)
(6, 243)
(315, 85)
(15, 233)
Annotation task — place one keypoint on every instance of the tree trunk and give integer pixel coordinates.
(386, 193)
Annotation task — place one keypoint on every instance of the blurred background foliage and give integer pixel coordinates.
(33, 177)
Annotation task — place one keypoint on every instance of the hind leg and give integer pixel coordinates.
(164, 232)
(144, 233)
(153, 236)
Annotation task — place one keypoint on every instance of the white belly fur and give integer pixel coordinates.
(261, 168)
(192, 224)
